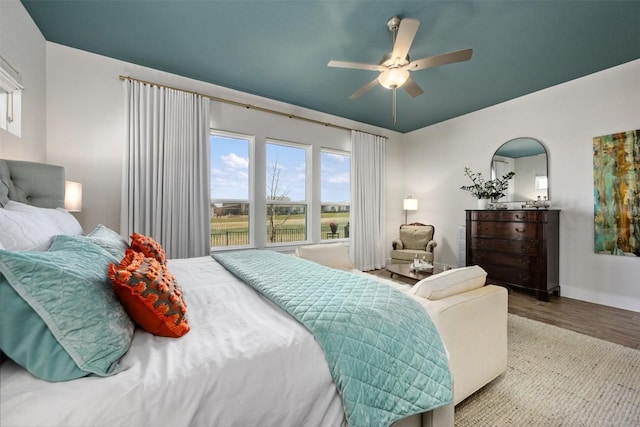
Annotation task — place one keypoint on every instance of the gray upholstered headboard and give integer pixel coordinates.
(37, 184)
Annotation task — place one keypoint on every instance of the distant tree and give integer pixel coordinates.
(275, 192)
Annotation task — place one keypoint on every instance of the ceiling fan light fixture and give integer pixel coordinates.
(394, 66)
(393, 78)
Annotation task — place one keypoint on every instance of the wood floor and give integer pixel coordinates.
(599, 321)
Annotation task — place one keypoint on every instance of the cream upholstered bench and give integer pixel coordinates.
(470, 316)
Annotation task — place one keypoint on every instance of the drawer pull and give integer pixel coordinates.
(519, 217)
(521, 230)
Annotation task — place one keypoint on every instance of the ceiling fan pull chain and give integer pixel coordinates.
(394, 106)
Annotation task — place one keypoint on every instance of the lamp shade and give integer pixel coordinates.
(410, 204)
(72, 196)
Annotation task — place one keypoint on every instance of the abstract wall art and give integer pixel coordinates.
(616, 192)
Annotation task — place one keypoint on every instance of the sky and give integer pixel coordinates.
(230, 171)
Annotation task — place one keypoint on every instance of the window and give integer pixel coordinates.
(10, 98)
(231, 189)
(279, 200)
(286, 192)
(335, 193)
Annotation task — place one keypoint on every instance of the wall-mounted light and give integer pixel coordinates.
(72, 196)
(409, 204)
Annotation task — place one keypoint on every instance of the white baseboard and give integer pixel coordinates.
(623, 302)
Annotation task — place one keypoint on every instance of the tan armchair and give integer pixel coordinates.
(415, 239)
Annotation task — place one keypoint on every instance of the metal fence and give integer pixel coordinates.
(229, 238)
(283, 235)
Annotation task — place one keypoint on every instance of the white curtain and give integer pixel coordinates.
(165, 186)
(367, 221)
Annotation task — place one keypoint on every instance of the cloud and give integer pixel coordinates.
(229, 184)
(234, 161)
(339, 178)
(337, 158)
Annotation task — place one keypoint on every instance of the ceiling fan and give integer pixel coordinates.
(395, 66)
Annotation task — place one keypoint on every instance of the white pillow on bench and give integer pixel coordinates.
(450, 282)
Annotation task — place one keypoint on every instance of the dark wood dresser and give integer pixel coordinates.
(517, 248)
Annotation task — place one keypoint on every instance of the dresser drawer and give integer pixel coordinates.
(510, 216)
(509, 275)
(523, 247)
(515, 260)
(505, 230)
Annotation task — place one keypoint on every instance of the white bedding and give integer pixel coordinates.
(244, 363)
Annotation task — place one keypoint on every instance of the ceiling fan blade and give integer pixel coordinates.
(357, 94)
(406, 33)
(356, 65)
(443, 59)
(412, 88)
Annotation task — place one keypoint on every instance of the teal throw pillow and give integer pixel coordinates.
(109, 240)
(27, 339)
(61, 301)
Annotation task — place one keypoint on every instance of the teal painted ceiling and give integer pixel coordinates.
(280, 49)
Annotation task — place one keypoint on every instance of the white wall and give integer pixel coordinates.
(86, 117)
(24, 47)
(564, 118)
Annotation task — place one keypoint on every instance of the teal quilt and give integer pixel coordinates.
(384, 353)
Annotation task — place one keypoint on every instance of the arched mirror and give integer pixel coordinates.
(527, 157)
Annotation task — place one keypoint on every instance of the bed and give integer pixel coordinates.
(245, 360)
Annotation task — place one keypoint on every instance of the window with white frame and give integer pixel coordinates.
(335, 194)
(231, 189)
(10, 98)
(286, 192)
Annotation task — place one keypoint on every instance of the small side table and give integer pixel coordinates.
(404, 270)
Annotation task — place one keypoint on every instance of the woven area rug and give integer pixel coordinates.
(557, 377)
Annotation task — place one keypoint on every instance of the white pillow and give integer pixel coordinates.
(334, 255)
(450, 282)
(29, 228)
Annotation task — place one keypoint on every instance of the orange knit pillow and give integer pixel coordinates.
(149, 247)
(150, 294)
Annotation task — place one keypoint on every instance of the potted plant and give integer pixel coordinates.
(333, 227)
(485, 190)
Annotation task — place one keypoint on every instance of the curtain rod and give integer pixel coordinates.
(249, 106)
